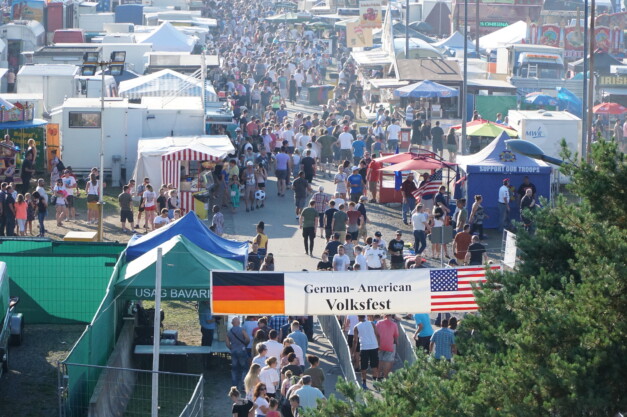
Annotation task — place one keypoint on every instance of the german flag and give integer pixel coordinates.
(247, 293)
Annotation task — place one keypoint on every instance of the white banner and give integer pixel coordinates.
(364, 292)
(509, 254)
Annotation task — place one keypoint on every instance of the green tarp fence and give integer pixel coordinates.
(58, 282)
(93, 348)
(489, 106)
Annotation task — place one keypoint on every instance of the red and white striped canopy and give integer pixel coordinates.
(191, 154)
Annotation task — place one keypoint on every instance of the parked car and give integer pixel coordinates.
(12, 323)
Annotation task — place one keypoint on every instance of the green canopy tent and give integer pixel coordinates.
(289, 17)
(185, 272)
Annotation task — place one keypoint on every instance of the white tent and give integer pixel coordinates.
(456, 40)
(167, 38)
(509, 35)
(165, 83)
(150, 151)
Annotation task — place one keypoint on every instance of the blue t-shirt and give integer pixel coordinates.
(425, 320)
(203, 316)
(358, 148)
(356, 179)
(281, 114)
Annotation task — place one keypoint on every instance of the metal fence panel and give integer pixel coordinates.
(405, 349)
(333, 331)
(124, 392)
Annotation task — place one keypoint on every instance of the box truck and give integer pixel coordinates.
(546, 129)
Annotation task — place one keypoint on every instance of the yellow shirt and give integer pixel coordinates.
(262, 240)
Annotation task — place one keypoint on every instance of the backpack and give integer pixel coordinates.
(60, 166)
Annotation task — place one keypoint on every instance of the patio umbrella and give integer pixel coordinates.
(419, 163)
(285, 5)
(539, 99)
(426, 89)
(399, 157)
(480, 122)
(284, 17)
(489, 130)
(609, 108)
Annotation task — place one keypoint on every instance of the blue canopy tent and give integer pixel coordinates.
(426, 89)
(196, 232)
(486, 170)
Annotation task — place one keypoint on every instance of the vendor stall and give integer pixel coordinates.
(180, 162)
(420, 160)
(18, 122)
(486, 170)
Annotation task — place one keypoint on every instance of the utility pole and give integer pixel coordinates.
(590, 80)
(584, 102)
(465, 85)
(406, 29)
(477, 25)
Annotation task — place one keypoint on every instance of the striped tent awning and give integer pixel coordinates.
(165, 83)
(191, 154)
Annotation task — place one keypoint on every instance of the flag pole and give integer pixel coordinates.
(156, 337)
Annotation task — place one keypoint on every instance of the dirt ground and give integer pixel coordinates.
(29, 388)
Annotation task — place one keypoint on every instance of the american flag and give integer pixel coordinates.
(451, 289)
(430, 187)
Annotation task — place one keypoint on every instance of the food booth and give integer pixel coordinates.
(180, 162)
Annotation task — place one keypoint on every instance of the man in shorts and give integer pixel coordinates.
(300, 187)
(126, 208)
(388, 338)
(366, 332)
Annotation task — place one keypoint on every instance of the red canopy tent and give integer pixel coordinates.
(419, 163)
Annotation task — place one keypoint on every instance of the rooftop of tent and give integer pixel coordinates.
(443, 71)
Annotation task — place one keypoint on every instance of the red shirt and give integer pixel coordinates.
(251, 128)
(373, 173)
(388, 333)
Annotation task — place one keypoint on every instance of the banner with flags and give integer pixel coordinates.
(430, 188)
(420, 290)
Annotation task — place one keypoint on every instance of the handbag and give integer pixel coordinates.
(53, 199)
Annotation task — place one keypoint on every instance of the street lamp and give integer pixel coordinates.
(531, 150)
(91, 61)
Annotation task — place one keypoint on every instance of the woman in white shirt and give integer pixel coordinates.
(251, 380)
(150, 202)
(340, 182)
(259, 398)
(270, 376)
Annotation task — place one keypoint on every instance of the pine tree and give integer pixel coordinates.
(551, 336)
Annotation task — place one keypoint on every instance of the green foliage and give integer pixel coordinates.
(550, 339)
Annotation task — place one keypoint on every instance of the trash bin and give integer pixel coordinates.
(319, 94)
(201, 204)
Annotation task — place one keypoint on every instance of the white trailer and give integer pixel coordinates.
(54, 81)
(80, 124)
(546, 129)
(124, 123)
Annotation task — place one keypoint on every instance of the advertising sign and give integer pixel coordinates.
(550, 35)
(370, 14)
(357, 36)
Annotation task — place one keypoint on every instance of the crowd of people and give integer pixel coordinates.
(271, 372)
